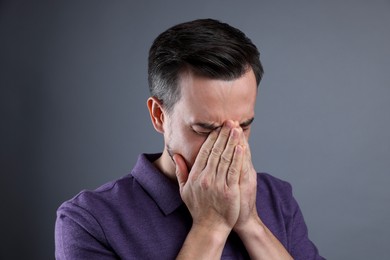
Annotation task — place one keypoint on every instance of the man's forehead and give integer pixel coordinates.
(210, 102)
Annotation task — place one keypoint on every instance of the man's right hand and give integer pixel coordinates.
(211, 190)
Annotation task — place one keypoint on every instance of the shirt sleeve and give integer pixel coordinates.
(78, 235)
(301, 247)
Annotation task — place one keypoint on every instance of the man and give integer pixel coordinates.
(201, 198)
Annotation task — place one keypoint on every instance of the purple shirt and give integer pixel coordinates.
(141, 216)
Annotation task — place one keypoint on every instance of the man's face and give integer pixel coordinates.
(205, 104)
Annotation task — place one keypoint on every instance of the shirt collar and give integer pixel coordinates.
(162, 190)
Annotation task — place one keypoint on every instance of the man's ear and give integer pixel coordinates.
(156, 113)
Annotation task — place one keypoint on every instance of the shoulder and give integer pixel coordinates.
(273, 186)
(105, 198)
(90, 210)
(276, 196)
(119, 198)
(83, 221)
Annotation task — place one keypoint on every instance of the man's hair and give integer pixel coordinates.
(205, 47)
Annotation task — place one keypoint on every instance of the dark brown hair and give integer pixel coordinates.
(207, 48)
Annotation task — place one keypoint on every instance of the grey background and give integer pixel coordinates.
(73, 114)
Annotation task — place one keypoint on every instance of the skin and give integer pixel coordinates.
(207, 153)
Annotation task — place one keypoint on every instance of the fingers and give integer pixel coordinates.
(248, 173)
(245, 146)
(203, 155)
(227, 157)
(222, 156)
(219, 146)
(233, 174)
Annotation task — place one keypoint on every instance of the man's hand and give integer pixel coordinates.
(211, 190)
(220, 193)
(257, 238)
(248, 190)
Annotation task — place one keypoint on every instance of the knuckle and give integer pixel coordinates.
(216, 151)
(205, 183)
(233, 171)
(204, 152)
(226, 159)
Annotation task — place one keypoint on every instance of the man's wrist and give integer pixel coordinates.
(253, 225)
(259, 241)
(204, 242)
(216, 233)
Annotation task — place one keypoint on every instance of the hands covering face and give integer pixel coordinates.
(220, 190)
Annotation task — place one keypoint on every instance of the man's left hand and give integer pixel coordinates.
(248, 189)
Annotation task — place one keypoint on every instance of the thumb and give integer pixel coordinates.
(181, 170)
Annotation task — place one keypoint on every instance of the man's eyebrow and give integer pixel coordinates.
(209, 126)
(212, 126)
(247, 122)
